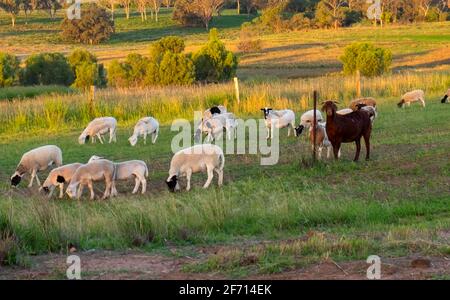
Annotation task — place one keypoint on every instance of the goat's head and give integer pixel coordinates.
(400, 104)
(172, 183)
(266, 111)
(330, 107)
(299, 130)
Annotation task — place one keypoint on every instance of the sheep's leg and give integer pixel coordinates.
(108, 189)
(61, 190)
(188, 179)
(80, 191)
(220, 175)
(144, 185)
(91, 189)
(33, 174)
(51, 192)
(136, 185)
(423, 103)
(329, 152)
(358, 149)
(268, 133)
(100, 138)
(210, 177)
(154, 137)
(319, 152)
(145, 138)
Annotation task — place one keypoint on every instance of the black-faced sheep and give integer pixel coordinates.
(58, 176)
(98, 127)
(410, 97)
(278, 119)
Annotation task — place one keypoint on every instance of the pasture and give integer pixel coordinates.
(267, 221)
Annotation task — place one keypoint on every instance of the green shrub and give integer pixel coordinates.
(86, 69)
(79, 57)
(368, 59)
(248, 39)
(94, 27)
(9, 69)
(118, 74)
(170, 43)
(213, 62)
(47, 68)
(136, 69)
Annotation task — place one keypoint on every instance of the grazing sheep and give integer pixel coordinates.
(58, 177)
(445, 99)
(372, 111)
(348, 128)
(98, 127)
(278, 119)
(307, 119)
(214, 127)
(344, 111)
(414, 96)
(136, 169)
(144, 126)
(198, 158)
(96, 170)
(369, 101)
(38, 159)
(215, 110)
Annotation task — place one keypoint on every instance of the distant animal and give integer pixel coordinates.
(143, 127)
(278, 119)
(96, 170)
(57, 177)
(98, 127)
(368, 101)
(33, 161)
(198, 158)
(132, 169)
(410, 97)
(215, 110)
(446, 96)
(347, 129)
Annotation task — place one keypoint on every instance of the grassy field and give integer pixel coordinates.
(266, 219)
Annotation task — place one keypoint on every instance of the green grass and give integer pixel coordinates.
(23, 92)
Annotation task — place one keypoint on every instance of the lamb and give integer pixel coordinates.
(214, 127)
(445, 99)
(96, 170)
(144, 126)
(136, 169)
(58, 177)
(198, 158)
(215, 110)
(38, 159)
(278, 119)
(307, 119)
(414, 96)
(369, 101)
(348, 128)
(98, 127)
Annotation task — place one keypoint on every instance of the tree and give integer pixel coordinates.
(118, 74)
(155, 7)
(142, 9)
(47, 68)
(330, 11)
(9, 69)
(213, 62)
(12, 7)
(126, 6)
(185, 14)
(86, 69)
(109, 5)
(51, 6)
(94, 27)
(189, 12)
(366, 58)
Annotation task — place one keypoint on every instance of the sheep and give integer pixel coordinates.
(348, 128)
(344, 111)
(214, 127)
(144, 126)
(96, 170)
(198, 158)
(58, 177)
(210, 112)
(136, 169)
(306, 121)
(369, 101)
(372, 111)
(38, 159)
(414, 96)
(278, 119)
(445, 99)
(98, 127)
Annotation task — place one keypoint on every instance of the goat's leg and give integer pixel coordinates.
(367, 142)
(358, 148)
(210, 177)
(336, 150)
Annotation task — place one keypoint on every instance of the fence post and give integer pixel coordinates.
(91, 99)
(236, 87)
(314, 126)
(358, 84)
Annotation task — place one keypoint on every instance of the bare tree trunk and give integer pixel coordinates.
(238, 7)
(13, 20)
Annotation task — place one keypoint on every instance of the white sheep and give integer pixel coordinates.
(38, 159)
(446, 96)
(278, 119)
(198, 158)
(98, 127)
(58, 177)
(85, 175)
(214, 127)
(215, 110)
(414, 96)
(132, 169)
(144, 126)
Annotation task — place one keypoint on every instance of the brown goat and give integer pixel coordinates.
(369, 101)
(347, 128)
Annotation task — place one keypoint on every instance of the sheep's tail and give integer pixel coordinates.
(222, 161)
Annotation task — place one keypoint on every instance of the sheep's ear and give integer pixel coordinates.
(60, 179)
